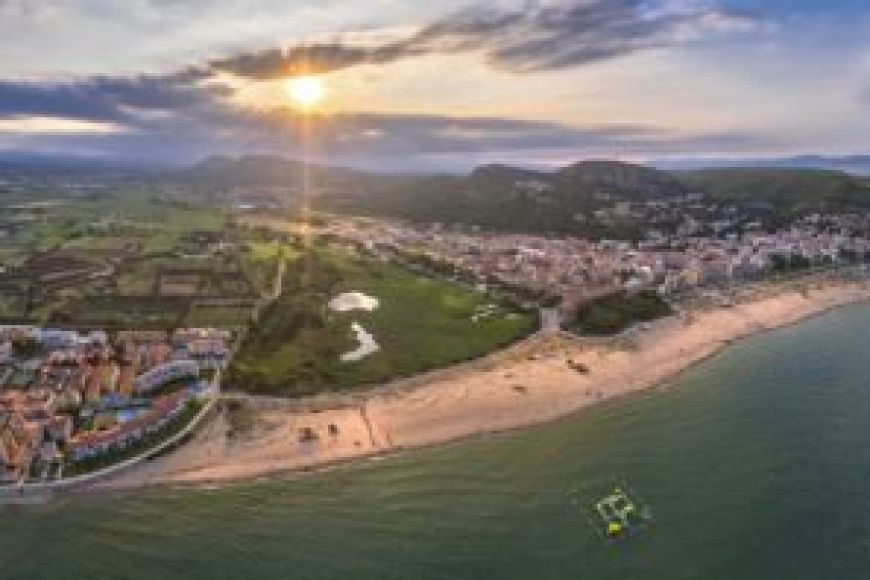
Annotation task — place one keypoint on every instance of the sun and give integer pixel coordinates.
(306, 91)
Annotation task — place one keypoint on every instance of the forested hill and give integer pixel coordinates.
(623, 180)
(562, 201)
(785, 189)
(510, 198)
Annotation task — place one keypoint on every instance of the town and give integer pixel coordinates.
(74, 402)
(571, 271)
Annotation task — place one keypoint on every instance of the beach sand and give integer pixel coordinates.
(532, 382)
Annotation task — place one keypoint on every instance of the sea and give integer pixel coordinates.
(754, 465)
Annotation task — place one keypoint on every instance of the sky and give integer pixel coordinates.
(435, 85)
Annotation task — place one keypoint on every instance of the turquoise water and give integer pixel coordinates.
(756, 465)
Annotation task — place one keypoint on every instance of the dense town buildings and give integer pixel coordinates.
(577, 269)
(67, 396)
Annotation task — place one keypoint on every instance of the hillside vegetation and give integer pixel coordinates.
(612, 314)
(789, 189)
(509, 198)
(564, 201)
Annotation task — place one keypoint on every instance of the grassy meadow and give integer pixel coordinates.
(421, 323)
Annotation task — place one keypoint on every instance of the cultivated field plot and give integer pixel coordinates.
(219, 315)
(138, 277)
(420, 323)
(130, 260)
(13, 307)
(160, 227)
(107, 244)
(57, 267)
(11, 256)
(122, 312)
(259, 262)
(192, 277)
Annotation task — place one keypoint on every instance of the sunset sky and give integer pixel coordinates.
(436, 85)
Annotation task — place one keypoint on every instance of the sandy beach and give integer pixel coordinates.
(541, 379)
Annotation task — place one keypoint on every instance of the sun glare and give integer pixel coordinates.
(306, 91)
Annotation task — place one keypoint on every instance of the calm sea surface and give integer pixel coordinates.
(756, 466)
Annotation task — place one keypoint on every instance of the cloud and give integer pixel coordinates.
(108, 98)
(390, 141)
(539, 37)
(277, 63)
(24, 7)
(187, 114)
(395, 133)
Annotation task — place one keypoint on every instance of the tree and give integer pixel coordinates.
(25, 347)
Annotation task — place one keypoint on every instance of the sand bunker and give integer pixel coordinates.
(367, 344)
(349, 301)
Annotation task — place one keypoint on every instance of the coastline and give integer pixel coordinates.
(533, 382)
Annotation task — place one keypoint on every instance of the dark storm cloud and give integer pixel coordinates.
(107, 98)
(376, 140)
(276, 63)
(537, 38)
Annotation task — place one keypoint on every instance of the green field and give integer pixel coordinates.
(122, 312)
(137, 277)
(259, 262)
(98, 243)
(12, 256)
(219, 316)
(108, 224)
(12, 306)
(422, 323)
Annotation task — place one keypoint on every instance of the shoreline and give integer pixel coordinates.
(530, 383)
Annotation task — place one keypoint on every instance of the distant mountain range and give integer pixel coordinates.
(56, 163)
(253, 170)
(858, 164)
(510, 198)
(855, 164)
(561, 201)
(518, 199)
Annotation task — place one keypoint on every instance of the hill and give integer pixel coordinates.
(791, 190)
(516, 199)
(622, 180)
(264, 171)
(853, 164)
(502, 197)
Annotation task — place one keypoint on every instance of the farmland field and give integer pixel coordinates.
(219, 316)
(122, 312)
